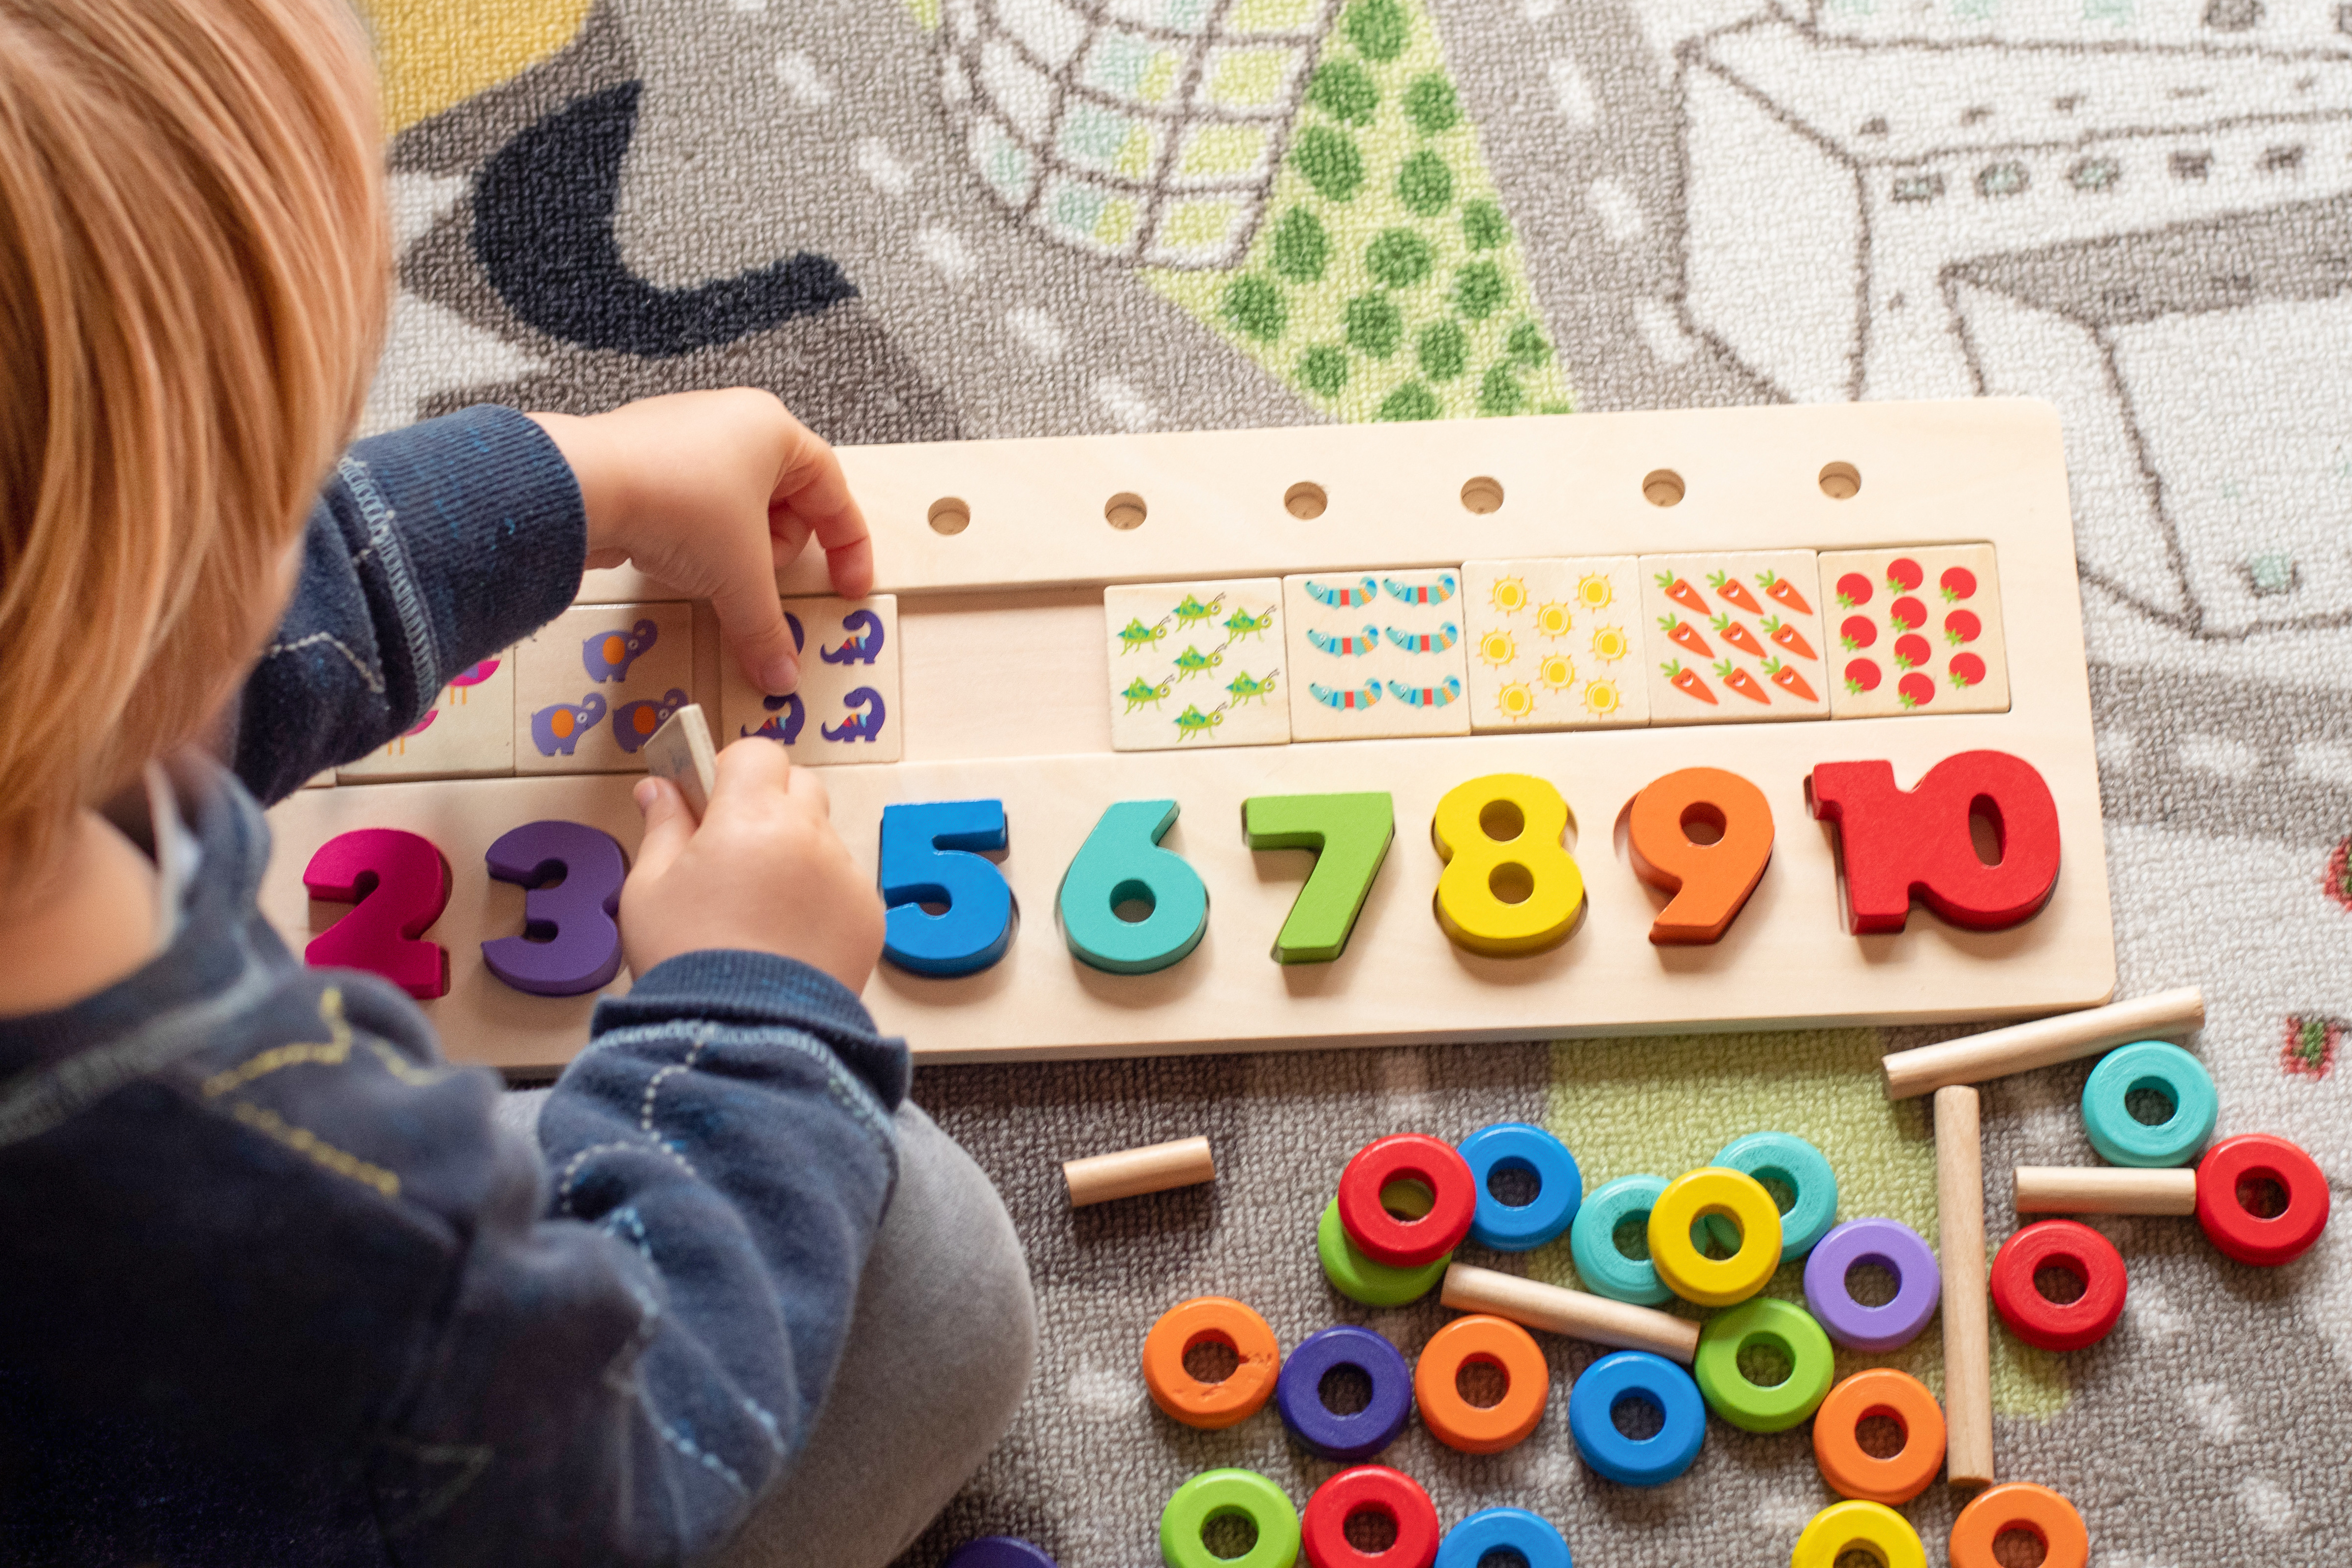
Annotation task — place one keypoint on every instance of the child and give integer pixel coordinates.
(275, 1287)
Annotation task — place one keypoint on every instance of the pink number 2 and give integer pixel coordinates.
(397, 884)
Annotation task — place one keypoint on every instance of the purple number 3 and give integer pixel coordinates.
(569, 943)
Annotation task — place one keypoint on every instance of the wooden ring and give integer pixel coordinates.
(1407, 1157)
(1702, 1193)
(2244, 1234)
(1856, 1473)
(2059, 1325)
(1369, 1489)
(1842, 1526)
(2020, 1505)
(1210, 1406)
(1453, 1420)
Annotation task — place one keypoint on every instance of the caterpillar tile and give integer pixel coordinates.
(1915, 630)
(594, 684)
(846, 708)
(1376, 654)
(468, 733)
(1734, 637)
(1195, 664)
(1555, 643)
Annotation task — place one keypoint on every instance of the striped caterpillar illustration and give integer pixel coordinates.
(1445, 636)
(1344, 597)
(1347, 699)
(1435, 593)
(1362, 644)
(1427, 696)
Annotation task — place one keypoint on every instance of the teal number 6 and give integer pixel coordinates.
(1121, 863)
(1351, 835)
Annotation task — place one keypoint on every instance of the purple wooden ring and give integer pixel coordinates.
(1893, 1246)
(999, 1552)
(1298, 1393)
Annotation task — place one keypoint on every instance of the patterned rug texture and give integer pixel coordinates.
(939, 219)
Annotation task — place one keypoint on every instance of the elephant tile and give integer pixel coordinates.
(594, 684)
(846, 708)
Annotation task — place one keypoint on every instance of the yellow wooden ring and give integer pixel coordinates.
(1842, 1526)
(1709, 1281)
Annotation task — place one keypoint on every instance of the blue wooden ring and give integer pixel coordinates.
(1785, 1158)
(1592, 1242)
(1322, 1431)
(2121, 1137)
(999, 1552)
(1636, 1374)
(1560, 1185)
(1513, 1530)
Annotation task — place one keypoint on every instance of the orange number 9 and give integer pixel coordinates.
(1712, 873)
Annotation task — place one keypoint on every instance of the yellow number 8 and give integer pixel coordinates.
(1508, 886)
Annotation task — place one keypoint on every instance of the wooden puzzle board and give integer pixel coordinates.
(1000, 637)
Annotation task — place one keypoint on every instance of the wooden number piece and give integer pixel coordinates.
(1350, 834)
(1121, 863)
(1710, 882)
(1508, 886)
(397, 884)
(569, 943)
(1898, 842)
(929, 857)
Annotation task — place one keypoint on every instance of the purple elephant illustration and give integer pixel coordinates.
(558, 729)
(784, 730)
(633, 724)
(608, 654)
(864, 645)
(862, 726)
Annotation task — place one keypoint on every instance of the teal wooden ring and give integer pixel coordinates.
(1219, 1494)
(1785, 1158)
(1762, 1407)
(1360, 1279)
(2121, 1137)
(1592, 1242)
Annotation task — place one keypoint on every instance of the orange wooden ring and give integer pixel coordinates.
(2020, 1505)
(1856, 1473)
(1210, 1404)
(1453, 1420)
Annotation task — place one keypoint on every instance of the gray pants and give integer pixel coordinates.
(939, 1351)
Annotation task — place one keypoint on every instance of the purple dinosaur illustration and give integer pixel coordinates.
(864, 645)
(559, 728)
(633, 724)
(862, 726)
(785, 731)
(608, 654)
(800, 637)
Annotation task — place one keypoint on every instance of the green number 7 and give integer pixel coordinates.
(1350, 834)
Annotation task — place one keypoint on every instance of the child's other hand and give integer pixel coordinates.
(712, 492)
(764, 871)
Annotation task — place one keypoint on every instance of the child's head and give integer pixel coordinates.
(193, 267)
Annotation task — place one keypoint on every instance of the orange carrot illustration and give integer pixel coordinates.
(1788, 680)
(1789, 638)
(1737, 636)
(1742, 682)
(1688, 681)
(1735, 591)
(1679, 631)
(1679, 590)
(1782, 591)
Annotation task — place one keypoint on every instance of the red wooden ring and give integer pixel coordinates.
(1323, 1528)
(2249, 1237)
(1407, 1243)
(2081, 1251)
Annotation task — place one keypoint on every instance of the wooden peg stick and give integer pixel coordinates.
(1968, 1332)
(2104, 1189)
(680, 752)
(2064, 1038)
(1130, 1173)
(1571, 1313)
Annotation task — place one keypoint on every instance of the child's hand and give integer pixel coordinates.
(764, 871)
(712, 492)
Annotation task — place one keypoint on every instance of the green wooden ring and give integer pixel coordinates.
(1218, 1494)
(1756, 1407)
(1359, 1278)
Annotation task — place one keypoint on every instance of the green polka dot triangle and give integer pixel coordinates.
(1384, 282)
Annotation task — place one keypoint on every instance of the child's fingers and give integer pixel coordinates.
(751, 620)
(812, 497)
(751, 767)
(669, 825)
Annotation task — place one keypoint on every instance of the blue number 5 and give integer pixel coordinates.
(927, 858)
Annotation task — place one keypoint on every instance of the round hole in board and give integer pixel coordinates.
(951, 514)
(1840, 481)
(1662, 487)
(1482, 495)
(1305, 500)
(1124, 510)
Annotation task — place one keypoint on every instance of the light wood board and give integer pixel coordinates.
(1005, 675)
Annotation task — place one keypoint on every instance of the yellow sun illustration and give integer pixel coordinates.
(1552, 618)
(1515, 700)
(1557, 671)
(1509, 594)
(1498, 649)
(1593, 592)
(1601, 698)
(1609, 644)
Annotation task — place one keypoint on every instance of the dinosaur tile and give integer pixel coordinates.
(468, 733)
(1196, 664)
(1376, 654)
(1555, 644)
(594, 684)
(1734, 637)
(1915, 630)
(846, 708)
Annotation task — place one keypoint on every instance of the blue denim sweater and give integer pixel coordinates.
(274, 1288)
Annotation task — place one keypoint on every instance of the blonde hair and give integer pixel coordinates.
(193, 273)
